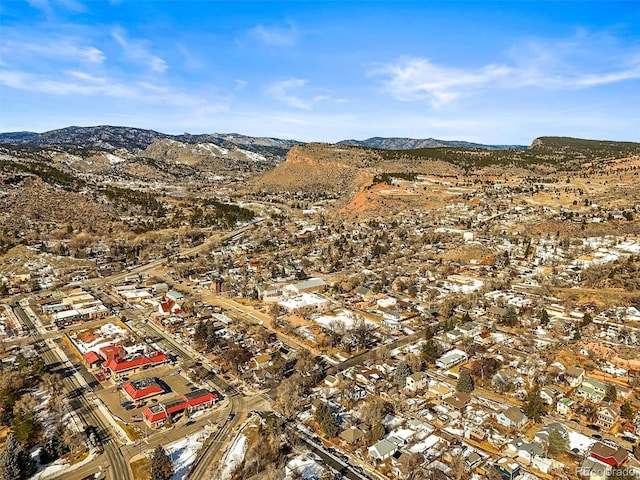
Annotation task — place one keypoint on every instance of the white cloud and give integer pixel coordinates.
(63, 47)
(79, 83)
(411, 79)
(283, 91)
(138, 50)
(418, 78)
(274, 36)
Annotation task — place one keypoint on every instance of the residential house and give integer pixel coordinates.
(382, 450)
(416, 381)
(458, 400)
(574, 376)
(542, 435)
(592, 390)
(593, 469)
(549, 395)
(454, 336)
(470, 329)
(508, 467)
(441, 390)
(511, 418)
(614, 457)
(260, 361)
(564, 406)
(391, 319)
(473, 460)
(525, 451)
(92, 359)
(607, 416)
(352, 435)
(497, 313)
(332, 381)
(449, 359)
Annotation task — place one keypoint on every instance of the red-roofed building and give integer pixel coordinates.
(116, 368)
(157, 415)
(154, 416)
(144, 388)
(609, 455)
(200, 400)
(92, 359)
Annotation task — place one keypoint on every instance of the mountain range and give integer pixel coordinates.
(137, 140)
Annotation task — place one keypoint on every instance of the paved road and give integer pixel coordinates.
(201, 468)
(86, 406)
(87, 410)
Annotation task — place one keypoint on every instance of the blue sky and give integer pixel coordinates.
(490, 72)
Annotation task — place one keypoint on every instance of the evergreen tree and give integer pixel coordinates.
(534, 405)
(587, 319)
(10, 464)
(430, 351)
(558, 442)
(544, 318)
(511, 317)
(161, 465)
(626, 411)
(15, 461)
(402, 372)
(465, 381)
(327, 420)
(612, 394)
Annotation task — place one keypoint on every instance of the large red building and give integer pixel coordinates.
(116, 367)
(157, 415)
(138, 390)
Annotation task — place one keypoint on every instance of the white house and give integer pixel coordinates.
(416, 381)
(449, 359)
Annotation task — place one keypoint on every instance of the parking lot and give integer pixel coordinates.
(114, 397)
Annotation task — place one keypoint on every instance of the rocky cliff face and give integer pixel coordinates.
(319, 167)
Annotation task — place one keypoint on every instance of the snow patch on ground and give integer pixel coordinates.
(184, 452)
(579, 441)
(253, 156)
(212, 148)
(114, 159)
(345, 317)
(51, 470)
(301, 467)
(234, 457)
